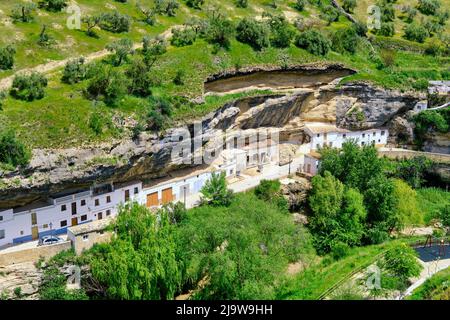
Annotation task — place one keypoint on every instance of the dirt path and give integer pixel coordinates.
(5, 83)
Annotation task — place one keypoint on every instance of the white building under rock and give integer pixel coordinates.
(72, 209)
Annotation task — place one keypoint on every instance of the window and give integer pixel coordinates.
(363, 143)
(63, 207)
(108, 213)
(344, 136)
(74, 208)
(363, 135)
(63, 223)
(318, 146)
(382, 133)
(331, 144)
(379, 140)
(375, 134)
(84, 218)
(83, 203)
(2, 234)
(318, 135)
(97, 202)
(85, 237)
(21, 232)
(33, 218)
(127, 195)
(108, 199)
(136, 190)
(1, 218)
(45, 226)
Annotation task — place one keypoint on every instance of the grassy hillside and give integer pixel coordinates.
(62, 117)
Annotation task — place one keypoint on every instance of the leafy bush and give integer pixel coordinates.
(28, 87)
(435, 288)
(387, 11)
(409, 13)
(314, 42)
(152, 49)
(428, 121)
(12, 151)
(407, 206)
(74, 71)
(219, 30)
(121, 48)
(242, 3)
(183, 37)
(196, 4)
(400, 260)
(281, 33)
(108, 84)
(115, 22)
(53, 5)
(387, 29)
(96, 123)
(269, 190)
(91, 22)
(7, 57)
(215, 191)
(428, 7)
(179, 77)
(253, 32)
(388, 57)
(23, 12)
(300, 5)
(413, 170)
(349, 5)
(345, 40)
(416, 32)
(141, 79)
(339, 250)
(330, 14)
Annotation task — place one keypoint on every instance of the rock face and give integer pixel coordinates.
(24, 276)
(150, 156)
(437, 142)
(296, 192)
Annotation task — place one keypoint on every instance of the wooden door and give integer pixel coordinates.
(308, 168)
(127, 195)
(152, 200)
(74, 221)
(100, 215)
(34, 233)
(167, 195)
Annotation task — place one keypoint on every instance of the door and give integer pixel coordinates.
(100, 215)
(152, 200)
(127, 195)
(167, 195)
(34, 233)
(74, 208)
(308, 168)
(74, 221)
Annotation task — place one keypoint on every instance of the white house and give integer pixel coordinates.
(62, 211)
(322, 135)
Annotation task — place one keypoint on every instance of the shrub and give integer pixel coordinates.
(444, 216)
(140, 77)
(96, 123)
(45, 40)
(416, 32)
(23, 12)
(219, 30)
(196, 4)
(314, 42)
(339, 250)
(330, 14)
(115, 22)
(74, 71)
(410, 13)
(400, 260)
(280, 29)
(252, 32)
(300, 5)
(349, 5)
(388, 57)
(12, 151)
(345, 40)
(179, 77)
(91, 22)
(215, 191)
(28, 87)
(152, 49)
(387, 12)
(183, 37)
(7, 57)
(242, 3)
(53, 5)
(360, 28)
(108, 85)
(387, 29)
(428, 7)
(121, 48)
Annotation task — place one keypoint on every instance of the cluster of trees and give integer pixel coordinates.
(431, 121)
(355, 200)
(7, 54)
(13, 152)
(28, 87)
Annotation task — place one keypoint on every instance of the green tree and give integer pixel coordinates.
(314, 42)
(23, 12)
(96, 123)
(28, 87)
(253, 32)
(300, 5)
(196, 4)
(115, 22)
(407, 205)
(270, 190)
(7, 57)
(121, 49)
(428, 7)
(220, 29)
(108, 84)
(12, 151)
(387, 29)
(140, 261)
(241, 3)
(183, 37)
(345, 40)
(329, 14)
(401, 261)
(91, 22)
(53, 5)
(152, 49)
(349, 5)
(74, 71)
(140, 78)
(281, 32)
(413, 170)
(338, 213)
(215, 191)
(416, 32)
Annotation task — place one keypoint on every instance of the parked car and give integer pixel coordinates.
(49, 240)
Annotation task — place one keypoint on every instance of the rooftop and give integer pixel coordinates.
(316, 128)
(97, 225)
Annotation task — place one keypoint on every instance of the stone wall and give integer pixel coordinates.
(32, 254)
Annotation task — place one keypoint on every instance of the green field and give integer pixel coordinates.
(61, 118)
